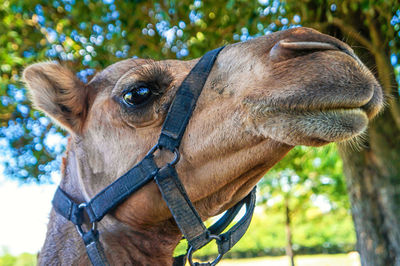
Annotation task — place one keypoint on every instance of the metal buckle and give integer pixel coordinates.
(79, 226)
(213, 263)
(176, 154)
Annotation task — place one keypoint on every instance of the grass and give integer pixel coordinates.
(351, 259)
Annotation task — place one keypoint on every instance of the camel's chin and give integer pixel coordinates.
(315, 128)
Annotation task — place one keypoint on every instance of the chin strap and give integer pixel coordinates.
(171, 188)
(226, 240)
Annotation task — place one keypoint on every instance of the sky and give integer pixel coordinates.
(24, 212)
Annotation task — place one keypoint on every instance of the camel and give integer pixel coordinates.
(262, 97)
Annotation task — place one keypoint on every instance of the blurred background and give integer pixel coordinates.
(331, 200)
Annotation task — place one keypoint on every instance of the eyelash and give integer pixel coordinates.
(156, 77)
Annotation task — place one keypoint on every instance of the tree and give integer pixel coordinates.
(296, 184)
(88, 35)
(373, 172)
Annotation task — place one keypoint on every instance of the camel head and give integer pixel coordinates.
(262, 97)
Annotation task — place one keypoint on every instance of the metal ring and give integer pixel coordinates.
(79, 226)
(176, 158)
(213, 263)
(216, 237)
(153, 150)
(79, 229)
(82, 205)
(158, 147)
(94, 226)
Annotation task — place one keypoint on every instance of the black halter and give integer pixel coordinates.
(166, 177)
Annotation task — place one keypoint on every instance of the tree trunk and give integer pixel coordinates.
(373, 172)
(373, 181)
(289, 244)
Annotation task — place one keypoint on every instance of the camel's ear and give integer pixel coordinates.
(59, 93)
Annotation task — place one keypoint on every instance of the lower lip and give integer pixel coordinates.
(344, 110)
(353, 121)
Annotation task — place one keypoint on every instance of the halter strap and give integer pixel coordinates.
(185, 101)
(171, 188)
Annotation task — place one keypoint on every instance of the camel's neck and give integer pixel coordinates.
(123, 245)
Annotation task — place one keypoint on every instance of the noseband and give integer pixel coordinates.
(166, 177)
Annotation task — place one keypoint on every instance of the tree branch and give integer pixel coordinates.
(385, 70)
(352, 33)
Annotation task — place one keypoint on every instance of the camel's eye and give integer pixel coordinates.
(137, 96)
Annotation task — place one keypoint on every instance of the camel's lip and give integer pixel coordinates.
(370, 106)
(342, 111)
(300, 111)
(311, 127)
(349, 110)
(343, 124)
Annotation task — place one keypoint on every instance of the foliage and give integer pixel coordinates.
(307, 187)
(306, 175)
(316, 232)
(322, 13)
(24, 259)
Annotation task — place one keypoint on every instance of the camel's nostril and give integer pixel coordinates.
(284, 50)
(308, 46)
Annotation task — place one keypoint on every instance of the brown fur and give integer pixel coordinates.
(264, 96)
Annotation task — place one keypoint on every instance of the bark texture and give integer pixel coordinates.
(288, 225)
(373, 172)
(373, 181)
